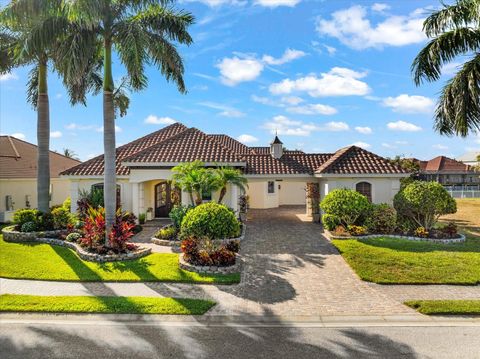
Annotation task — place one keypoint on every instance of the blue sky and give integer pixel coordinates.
(324, 74)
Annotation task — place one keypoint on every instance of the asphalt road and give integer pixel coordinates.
(144, 340)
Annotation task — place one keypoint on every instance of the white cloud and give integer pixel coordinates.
(18, 135)
(8, 76)
(155, 120)
(362, 144)
(276, 3)
(339, 81)
(291, 100)
(247, 138)
(353, 29)
(388, 145)
(286, 100)
(451, 68)
(403, 126)
(55, 134)
(440, 147)
(330, 49)
(401, 142)
(313, 109)
(288, 55)
(226, 111)
(380, 7)
(117, 129)
(409, 104)
(363, 130)
(335, 126)
(235, 70)
(217, 3)
(285, 126)
(76, 126)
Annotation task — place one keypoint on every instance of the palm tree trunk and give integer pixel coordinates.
(109, 186)
(198, 200)
(223, 191)
(191, 197)
(43, 140)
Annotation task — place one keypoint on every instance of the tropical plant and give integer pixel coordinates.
(62, 218)
(424, 202)
(141, 32)
(70, 153)
(177, 213)
(382, 219)
(229, 176)
(195, 179)
(28, 227)
(22, 216)
(357, 230)
(347, 205)
(330, 221)
(210, 220)
(454, 32)
(33, 32)
(167, 233)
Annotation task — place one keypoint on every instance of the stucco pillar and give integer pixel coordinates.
(141, 198)
(186, 199)
(135, 199)
(234, 198)
(73, 196)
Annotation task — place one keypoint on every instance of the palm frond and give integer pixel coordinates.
(121, 101)
(428, 63)
(458, 108)
(32, 87)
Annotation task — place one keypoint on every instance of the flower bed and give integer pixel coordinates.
(460, 237)
(236, 268)
(42, 237)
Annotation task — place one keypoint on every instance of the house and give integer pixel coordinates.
(276, 176)
(470, 158)
(459, 178)
(18, 176)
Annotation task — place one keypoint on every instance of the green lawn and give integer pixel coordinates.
(85, 304)
(47, 262)
(446, 306)
(397, 261)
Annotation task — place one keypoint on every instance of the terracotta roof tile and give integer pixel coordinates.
(444, 164)
(232, 144)
(356, 160)
(18, 159)
(287, 164)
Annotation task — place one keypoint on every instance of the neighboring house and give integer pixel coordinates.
(470, 158)
(449, 172)
(275, 176)
(18, 176)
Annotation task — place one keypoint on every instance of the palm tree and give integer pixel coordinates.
(141, 32)
(29, 33)
(232, 176)
(454, 30)
(70, 153)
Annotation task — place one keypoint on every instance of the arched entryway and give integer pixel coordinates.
(166, 196)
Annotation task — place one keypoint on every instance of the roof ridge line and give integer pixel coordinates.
(333, 159)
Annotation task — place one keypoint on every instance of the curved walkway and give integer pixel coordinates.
(290, 269)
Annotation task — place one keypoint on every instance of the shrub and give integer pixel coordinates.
(233, 246)
(357, 230)
(45, 221)
(382, 219)
(341, 231)
(167, 233)
(137, 229)
(28, 227)
(141, 218)
(67, 204)
(189, 249)
(330, 221)
(62, 218)
(222, 257)
(204, 252)
(177, 214)
(424, 202)
(210, 220)
(22, 216)
(348, 205)
(73, 237)
(420, 232)
(450, 230)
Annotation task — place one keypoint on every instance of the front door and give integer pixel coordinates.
(165, 198)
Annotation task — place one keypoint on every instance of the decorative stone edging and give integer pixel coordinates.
(236, 268)
(13, 236)
(16, 236)
(409, 238)
(176, 243)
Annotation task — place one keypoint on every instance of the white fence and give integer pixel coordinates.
(464, 193)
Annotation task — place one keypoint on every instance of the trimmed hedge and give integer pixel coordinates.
(347, 205)
(212, 220)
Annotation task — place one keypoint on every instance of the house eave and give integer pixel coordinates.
(173, 164)
(358, 175)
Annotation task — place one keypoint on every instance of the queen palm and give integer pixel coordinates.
(232, 176)
(140, 32)
(30, 32)
(454, 31)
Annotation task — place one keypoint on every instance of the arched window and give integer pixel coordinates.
(99, 187)
(364, 188)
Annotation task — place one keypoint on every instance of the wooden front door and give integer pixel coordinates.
(165, 198)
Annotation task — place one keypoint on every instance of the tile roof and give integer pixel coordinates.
(177, 143)
(94, 166)
(18, 159)
(356, 160)
(444, 164)
(189, 145)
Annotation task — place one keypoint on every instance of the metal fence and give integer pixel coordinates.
(464, 193)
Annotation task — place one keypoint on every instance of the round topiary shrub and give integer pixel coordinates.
(22, 216)
(382, 219)
(210, 220)
(29, 227)
(330, 221)
(73, 237)
(347, 205)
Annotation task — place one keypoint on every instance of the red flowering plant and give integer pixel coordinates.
(205, 252)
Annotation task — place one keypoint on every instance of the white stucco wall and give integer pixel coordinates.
(291, 191)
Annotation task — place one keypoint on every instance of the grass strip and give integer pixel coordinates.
(457, 307)
(110, 305)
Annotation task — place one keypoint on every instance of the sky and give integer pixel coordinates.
(322, 74)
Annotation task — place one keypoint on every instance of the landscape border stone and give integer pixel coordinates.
(459, 239)
(236, 268)
(19, 237)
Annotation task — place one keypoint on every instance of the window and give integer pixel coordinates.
(271, 187)
(364, 188)
(99, 187)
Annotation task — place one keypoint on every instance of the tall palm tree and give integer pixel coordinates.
(67, 152)
(232, 176)
(29, 33)
(454, 31)
(140, 32)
